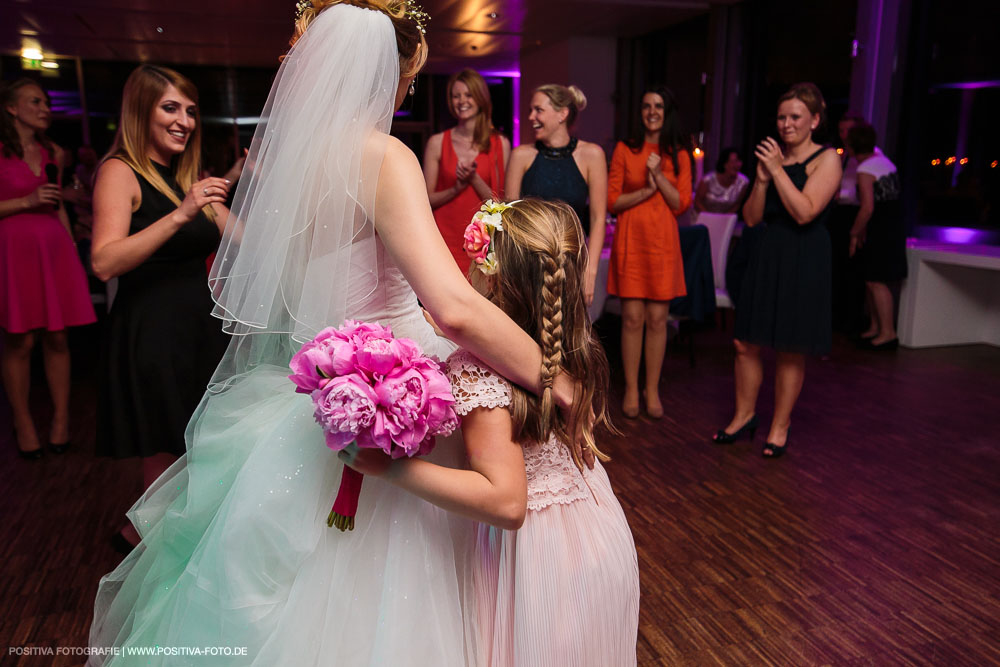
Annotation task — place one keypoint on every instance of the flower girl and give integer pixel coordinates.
(552, 578)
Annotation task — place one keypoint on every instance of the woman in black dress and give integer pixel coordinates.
(154, 227)
(560, 167)
(785, 302)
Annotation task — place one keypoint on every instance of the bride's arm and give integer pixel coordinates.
(406, 226)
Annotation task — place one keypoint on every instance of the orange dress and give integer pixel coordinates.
(646, 252)
(452, 218)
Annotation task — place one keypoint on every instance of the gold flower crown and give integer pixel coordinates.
(411, 10)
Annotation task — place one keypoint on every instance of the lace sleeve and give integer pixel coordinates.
(474, 384)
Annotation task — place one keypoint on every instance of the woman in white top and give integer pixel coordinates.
(722, 190)
(878, 235)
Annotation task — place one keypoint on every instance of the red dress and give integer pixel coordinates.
(452, 218)
(646, 258)
(42, 282)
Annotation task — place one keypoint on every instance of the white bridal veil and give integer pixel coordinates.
(304, 205)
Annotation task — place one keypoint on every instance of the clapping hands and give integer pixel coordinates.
(769, 158)
(464, 173)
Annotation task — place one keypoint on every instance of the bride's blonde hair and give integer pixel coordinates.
(410, 42)
(541, 257)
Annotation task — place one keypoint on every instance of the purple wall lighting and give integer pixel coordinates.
(967, 85)
(957, 235)
(516, 75)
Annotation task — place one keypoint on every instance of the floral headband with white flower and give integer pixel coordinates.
(479, 235)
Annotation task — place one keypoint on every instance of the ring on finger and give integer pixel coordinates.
(205, 190)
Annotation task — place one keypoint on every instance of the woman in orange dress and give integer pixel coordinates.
(649, 184)
(465, 165)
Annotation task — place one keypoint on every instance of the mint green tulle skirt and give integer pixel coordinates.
(238, 567)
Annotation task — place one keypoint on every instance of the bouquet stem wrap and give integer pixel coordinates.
(345, 507)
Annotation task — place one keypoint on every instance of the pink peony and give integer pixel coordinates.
(376, 390)
(377, 357)
(320, 360)
(344, 408)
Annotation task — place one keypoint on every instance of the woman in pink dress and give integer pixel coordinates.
(43, 288)
(552, 578)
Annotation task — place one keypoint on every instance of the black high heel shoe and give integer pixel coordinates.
(776, 451)
(59, 448)
(32, 455)
(749, 430)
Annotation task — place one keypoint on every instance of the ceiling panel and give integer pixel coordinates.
(487, 34)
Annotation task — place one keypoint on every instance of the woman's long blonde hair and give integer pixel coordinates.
(541, 257)
(143, 91)
(410, 43)
(480, 92)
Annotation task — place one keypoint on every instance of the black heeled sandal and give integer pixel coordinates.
(31, 455)
(749, 430)
(777, 451)
(59, 448)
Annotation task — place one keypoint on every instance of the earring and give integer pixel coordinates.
(413, 89)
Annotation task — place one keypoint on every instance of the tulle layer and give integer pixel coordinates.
(562, 590)
(236, 552)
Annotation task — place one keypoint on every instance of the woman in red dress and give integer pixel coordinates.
(465, 165)
(43, 288)
(649, 185)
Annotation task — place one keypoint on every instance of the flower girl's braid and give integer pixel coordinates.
(540, 257)
(553, 282)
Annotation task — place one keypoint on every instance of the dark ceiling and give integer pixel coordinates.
(486, 34)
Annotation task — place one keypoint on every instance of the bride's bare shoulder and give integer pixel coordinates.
(391, 153)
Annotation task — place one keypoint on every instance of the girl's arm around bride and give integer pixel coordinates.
(494, 491)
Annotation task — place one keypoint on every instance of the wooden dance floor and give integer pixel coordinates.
(874, 541)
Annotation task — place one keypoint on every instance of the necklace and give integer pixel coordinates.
(561, 153)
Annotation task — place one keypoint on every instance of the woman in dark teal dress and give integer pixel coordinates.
(785, 302)
(155, 224)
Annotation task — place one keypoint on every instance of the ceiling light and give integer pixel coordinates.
(50, 64)
(31, 53)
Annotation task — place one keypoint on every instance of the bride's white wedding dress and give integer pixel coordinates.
(236, 552)
(236, 560)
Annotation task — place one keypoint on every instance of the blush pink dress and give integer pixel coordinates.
(564, 589)
(42, 282)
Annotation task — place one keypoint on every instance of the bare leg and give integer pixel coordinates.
(16, 369)
(883, 311)
(789, 376)
(55, 351)
(152, 467)
(655, 347)
(872, 329)
(633, 319)
(749, 371)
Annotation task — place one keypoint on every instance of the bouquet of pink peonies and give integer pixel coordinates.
(376, 390)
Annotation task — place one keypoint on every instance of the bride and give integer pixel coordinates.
(331, 221)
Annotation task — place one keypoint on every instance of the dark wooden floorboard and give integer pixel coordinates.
(875, 541)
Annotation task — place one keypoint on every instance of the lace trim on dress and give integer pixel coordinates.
(475, 385)
(552, 476)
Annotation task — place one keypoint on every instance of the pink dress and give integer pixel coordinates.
(42, 282)
(564, 589)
